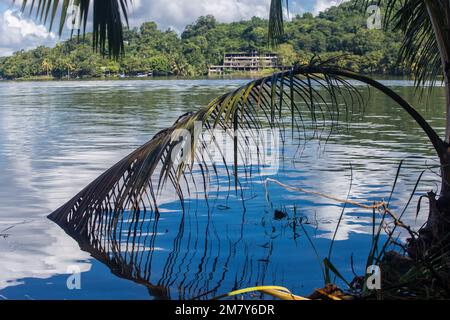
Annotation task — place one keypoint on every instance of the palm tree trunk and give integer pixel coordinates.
(437, 229)
(441, 27)
(445, 162)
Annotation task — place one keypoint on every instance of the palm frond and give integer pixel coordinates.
(419, 46)
(132, 185)
(108, 18)
(420, 49)
(276, 21)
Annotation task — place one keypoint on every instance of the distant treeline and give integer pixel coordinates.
(339, 30)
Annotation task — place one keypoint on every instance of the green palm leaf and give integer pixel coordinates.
(425, 25)
(420, 46)
(276, 25)
(108, 17)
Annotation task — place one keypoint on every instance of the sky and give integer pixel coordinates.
(23, 32)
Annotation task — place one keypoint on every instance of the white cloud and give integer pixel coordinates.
(19, 33)
(322, 5)
(176, 14)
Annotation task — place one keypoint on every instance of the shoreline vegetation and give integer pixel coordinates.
(231, 75)
(338, 31)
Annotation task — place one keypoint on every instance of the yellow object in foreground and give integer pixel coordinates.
(275, 291)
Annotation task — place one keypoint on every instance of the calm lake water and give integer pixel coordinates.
(56, 137)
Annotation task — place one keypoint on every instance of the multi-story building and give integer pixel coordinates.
(246, 62)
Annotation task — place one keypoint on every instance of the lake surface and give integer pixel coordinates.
(56, 137)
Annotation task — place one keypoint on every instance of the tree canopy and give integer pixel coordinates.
(339, 30)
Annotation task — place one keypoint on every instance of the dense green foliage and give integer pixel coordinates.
(338, 31)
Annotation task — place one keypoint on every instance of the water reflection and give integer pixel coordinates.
(57, 136)
(47, 129)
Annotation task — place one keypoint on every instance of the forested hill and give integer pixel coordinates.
(339, 30)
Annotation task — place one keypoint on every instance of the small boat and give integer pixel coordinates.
(144, 75)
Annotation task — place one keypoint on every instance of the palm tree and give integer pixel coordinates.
(69, 67)
(47, 66)
(425, 25)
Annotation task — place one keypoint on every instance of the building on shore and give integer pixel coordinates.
(245, 62)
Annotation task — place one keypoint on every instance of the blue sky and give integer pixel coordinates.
(22, 32)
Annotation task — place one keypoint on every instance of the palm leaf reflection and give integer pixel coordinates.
(124, 215)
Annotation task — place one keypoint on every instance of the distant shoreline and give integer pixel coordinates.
(206, 77)
(128, 78)
(235, 76)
